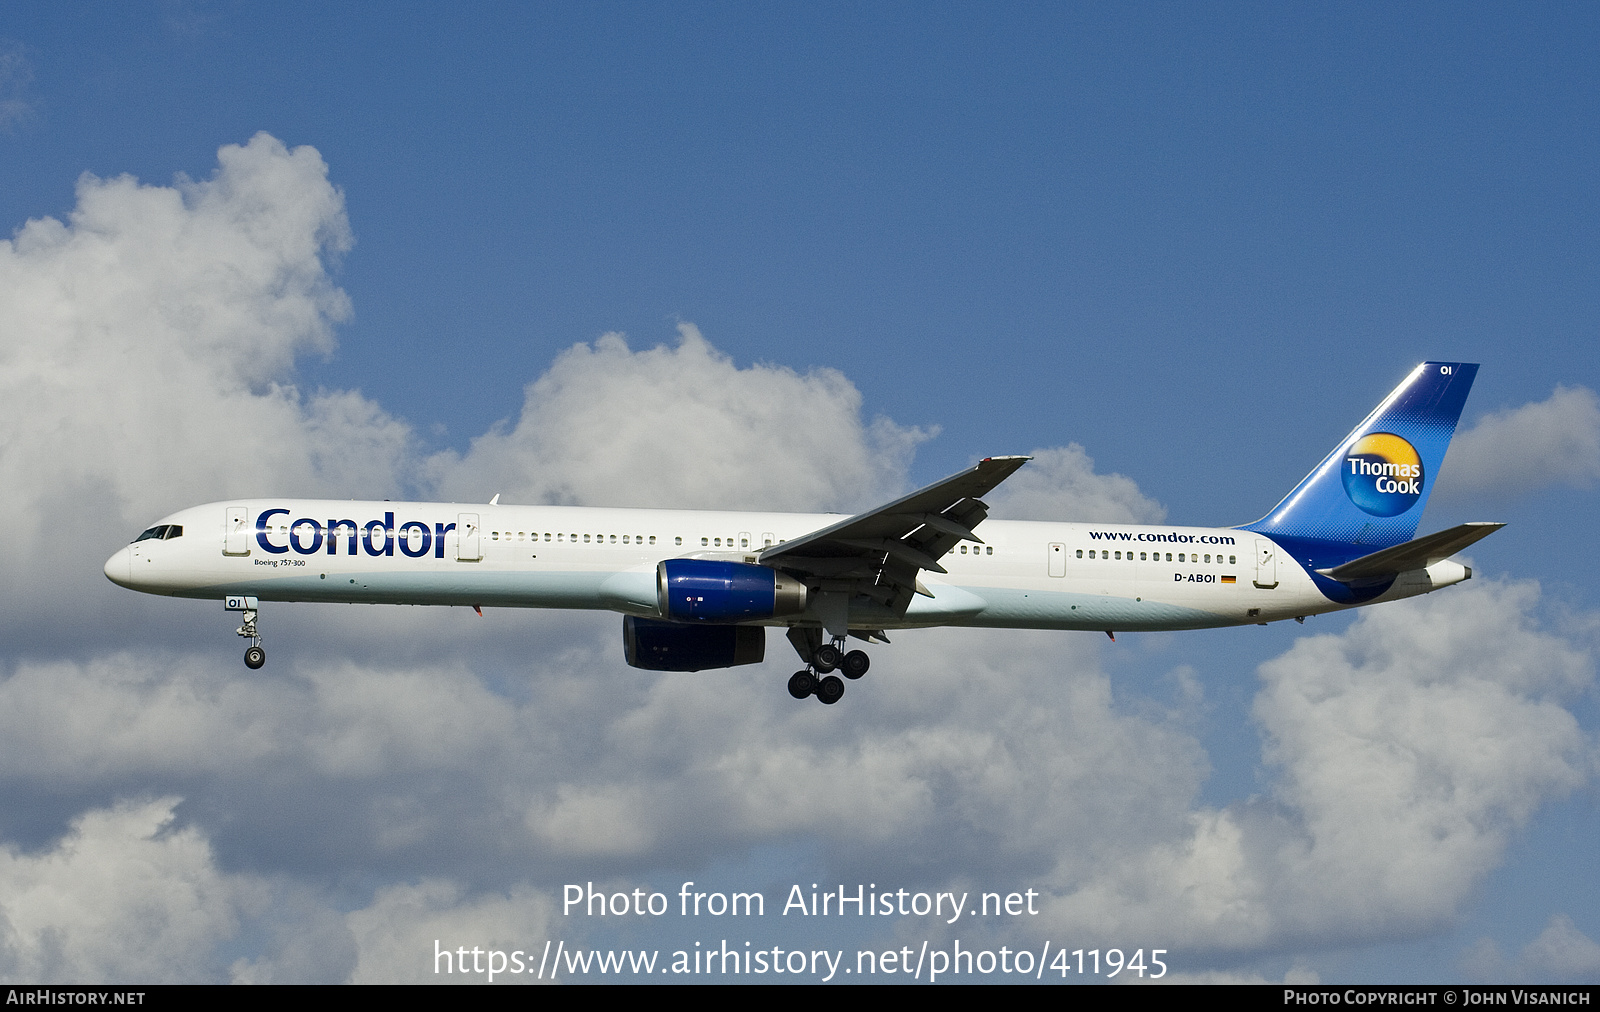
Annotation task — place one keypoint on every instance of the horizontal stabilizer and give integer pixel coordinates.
(1418, 554)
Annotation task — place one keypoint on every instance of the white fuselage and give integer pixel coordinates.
(1029, 575)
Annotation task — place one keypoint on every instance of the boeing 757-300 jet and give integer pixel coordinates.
(698, 589)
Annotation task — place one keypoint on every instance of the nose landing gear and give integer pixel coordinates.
(254, 654)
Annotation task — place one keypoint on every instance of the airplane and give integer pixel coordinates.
(698, 589)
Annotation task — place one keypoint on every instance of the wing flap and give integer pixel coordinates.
(887, 547)
(901, 517)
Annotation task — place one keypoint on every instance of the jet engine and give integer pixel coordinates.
(673, 646)
(711, 590)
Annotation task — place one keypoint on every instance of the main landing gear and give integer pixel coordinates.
(254, 655)
(816, 679)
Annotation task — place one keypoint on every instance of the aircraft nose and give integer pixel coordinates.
(119, 568)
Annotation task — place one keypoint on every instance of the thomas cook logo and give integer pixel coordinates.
(1383, 474)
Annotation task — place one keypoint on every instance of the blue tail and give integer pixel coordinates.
(1370, 491)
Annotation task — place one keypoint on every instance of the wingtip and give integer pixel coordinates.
(1007, 463)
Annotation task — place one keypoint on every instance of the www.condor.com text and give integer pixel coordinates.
(733, 961)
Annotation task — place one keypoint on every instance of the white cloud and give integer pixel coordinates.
(1296, 974)
(1408, 749)
(400, 935)
(945, 752)
(146, 344)
(124, 896)
(684, 427)
(16, 73)
(1060, 483)
(1555, 441)
(1561, 952)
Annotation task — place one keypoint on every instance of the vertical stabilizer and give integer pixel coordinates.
(1371, 490)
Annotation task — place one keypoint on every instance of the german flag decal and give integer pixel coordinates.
(1230, 579)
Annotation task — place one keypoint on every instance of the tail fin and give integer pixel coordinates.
(1371, 490)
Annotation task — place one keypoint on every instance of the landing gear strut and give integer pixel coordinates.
(254, 655)
(822, 658)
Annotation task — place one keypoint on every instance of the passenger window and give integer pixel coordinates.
(704, 542)
(989, 550)
(1080, 553)
(652, 539)
(586, 539)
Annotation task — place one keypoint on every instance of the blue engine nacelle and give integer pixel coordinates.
(710, 590)
(673, 646)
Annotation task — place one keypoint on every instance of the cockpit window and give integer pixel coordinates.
(161, 532)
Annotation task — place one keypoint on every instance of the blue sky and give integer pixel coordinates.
(1199, 242)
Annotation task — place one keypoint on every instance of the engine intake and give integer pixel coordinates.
(710, 590)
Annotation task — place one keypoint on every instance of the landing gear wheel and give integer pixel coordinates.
(856, 663)
(254, 656)
(802, 684)
(830, 689)
(827, 658)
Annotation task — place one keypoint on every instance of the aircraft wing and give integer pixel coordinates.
(1416, 554)
(880, 552)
